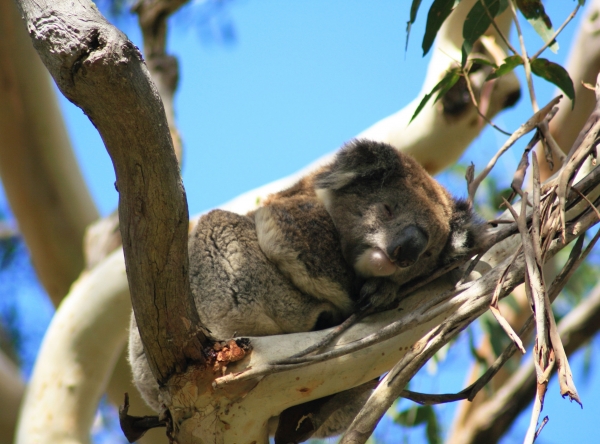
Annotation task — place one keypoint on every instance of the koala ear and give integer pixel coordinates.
(360, 160)
(466, 229)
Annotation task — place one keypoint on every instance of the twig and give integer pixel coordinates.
(476, 105)
(574, 161)
(334, 333)
(538, 404)
(495, 25)
(495, 309)
(526, 63)
(592, 206)
(541, 427)
(535, 212)
(520, 132)
(552, 144)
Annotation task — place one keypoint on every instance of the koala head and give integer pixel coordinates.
(394, 220)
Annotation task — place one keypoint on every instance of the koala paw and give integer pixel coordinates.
(378, 294)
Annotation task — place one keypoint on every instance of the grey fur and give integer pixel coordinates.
(363, 226)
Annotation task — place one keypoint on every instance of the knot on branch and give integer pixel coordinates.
(221, 354)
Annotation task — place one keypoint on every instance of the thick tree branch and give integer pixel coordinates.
(39, 172)
(65, 387)
(47, 195)
(101, 71)
(436, 125)
(583, 65)
(12, 388)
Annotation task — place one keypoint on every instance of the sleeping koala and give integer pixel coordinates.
(362, 226)
(395, 223)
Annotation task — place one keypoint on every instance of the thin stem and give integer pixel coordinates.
(525, 58)
(474, 100)
(558, 31)
(502, 36)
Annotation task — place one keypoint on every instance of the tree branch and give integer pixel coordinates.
(43, 184)
(65, 387)
(101, 71)
(12, 388)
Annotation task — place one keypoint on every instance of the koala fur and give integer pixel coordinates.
(394, 222)
(362, 226)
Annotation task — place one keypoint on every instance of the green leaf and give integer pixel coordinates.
(447, 82)
(478, 61)
(438, 13)
(554, 73)
(509, 64)
(478, 20)
(534, 12)
(414, 8)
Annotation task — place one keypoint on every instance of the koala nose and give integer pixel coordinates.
(408, 246)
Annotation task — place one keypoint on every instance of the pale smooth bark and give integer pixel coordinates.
(66, 386)
(433, 128)
(583, 65)
(40, 174)
(83, 347)
(12, 388)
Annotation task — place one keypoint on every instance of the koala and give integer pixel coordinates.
(394, 222)
(238, 292)
(354, 232)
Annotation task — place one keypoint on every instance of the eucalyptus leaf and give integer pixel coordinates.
(534, 12)
(414, 8)
(447, 82)
(478, 20)
(438, 13)
(556, 74)
(479, 61)
(509, 64)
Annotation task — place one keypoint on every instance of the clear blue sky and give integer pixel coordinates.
(302, 78)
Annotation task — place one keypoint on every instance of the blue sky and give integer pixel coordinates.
(301, 78)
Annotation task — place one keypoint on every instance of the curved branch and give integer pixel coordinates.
(45, 189)
(12, 388)
(64, 378)
(101, 71)
(433, 127)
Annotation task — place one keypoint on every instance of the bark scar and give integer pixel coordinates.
(90, 44)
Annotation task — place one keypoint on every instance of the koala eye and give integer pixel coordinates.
(388, 210)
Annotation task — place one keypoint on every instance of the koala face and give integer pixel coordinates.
(393, 219)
